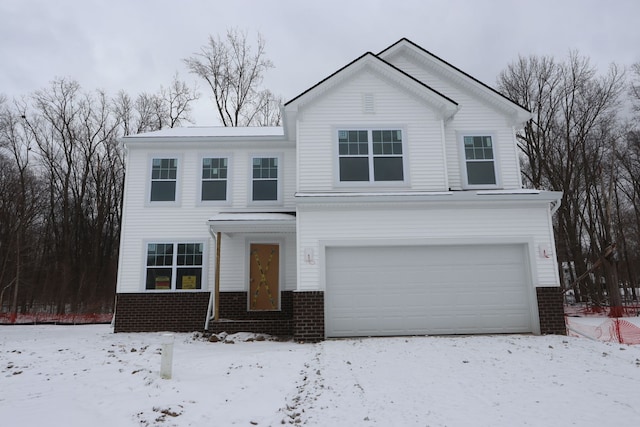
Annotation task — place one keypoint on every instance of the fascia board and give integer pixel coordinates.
(207, 142)
(519, 113)
(445, 105)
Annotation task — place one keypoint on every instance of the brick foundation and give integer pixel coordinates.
(186, 312)
(308, 316)
(234, 316)
(301, 314)
(154, 311)
(551, 311)
(233, 305)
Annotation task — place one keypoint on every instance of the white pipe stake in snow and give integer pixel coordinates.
(166, 361)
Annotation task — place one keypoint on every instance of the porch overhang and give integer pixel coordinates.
(254, 222)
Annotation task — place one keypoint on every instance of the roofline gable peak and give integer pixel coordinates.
(446, 105)
(425, 56)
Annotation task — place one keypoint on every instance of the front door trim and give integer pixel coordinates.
(267, 267)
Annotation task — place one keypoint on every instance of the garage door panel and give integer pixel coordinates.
(426, 290)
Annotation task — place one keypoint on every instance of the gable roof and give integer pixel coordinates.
(446, 105)
(407, 45)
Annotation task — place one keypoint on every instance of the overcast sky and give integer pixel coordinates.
(138, 45)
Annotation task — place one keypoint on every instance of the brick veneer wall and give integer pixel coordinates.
(551, 311)
(233, 305)
(154, 311)
(308, 316)
(186, 312)
(234, 316)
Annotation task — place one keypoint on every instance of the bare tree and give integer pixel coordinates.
(234, 71)
(61, 186)
(570, 145)
(20, 203)
(634, 88)
(167, 108)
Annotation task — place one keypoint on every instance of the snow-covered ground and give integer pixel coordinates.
(78, 376)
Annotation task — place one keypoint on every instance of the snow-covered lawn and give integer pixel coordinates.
(78, 376)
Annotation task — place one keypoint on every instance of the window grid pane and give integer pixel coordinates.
(214, 168)
(265, 179)
(163, 273)
(164, 169)
(214, 179)
(478, 152)
(189, 254)
(265, 167)
(353, 142)
(387, 142)
(159, 254)
(359, 150)
(164, 173)
(478, 147)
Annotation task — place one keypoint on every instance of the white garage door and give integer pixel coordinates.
(415, 290)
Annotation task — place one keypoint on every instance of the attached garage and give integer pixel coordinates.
(416, 290)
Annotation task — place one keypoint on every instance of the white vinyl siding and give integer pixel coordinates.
(474, 113)
(142, 223)
(424, 224)
(341, 108)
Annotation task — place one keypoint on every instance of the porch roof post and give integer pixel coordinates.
(214, 300)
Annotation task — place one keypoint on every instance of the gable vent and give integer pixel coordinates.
(367, 103)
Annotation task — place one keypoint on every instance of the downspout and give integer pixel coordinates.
(556, 206)
(216, 312)
(444, 154)
(515, 138)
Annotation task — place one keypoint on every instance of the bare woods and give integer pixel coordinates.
(584, 140)
(61, 182)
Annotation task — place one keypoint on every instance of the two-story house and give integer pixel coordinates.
(390, 202)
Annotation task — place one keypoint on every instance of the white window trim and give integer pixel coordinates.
(372, 183)
(281, 265)
(178, 195)
(204, 287)
(215, 155)
(463, 160)
(280, 183)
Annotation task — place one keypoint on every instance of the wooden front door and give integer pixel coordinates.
(264, 279)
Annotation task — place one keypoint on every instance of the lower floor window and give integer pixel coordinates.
(172, 266)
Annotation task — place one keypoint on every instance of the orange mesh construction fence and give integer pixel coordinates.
(59, 319)
(618, 330)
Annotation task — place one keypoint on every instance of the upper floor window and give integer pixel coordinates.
(480, 165)
(370, 155)
(264, 179)
(163, 180)
(172, 266)
(214, 179)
